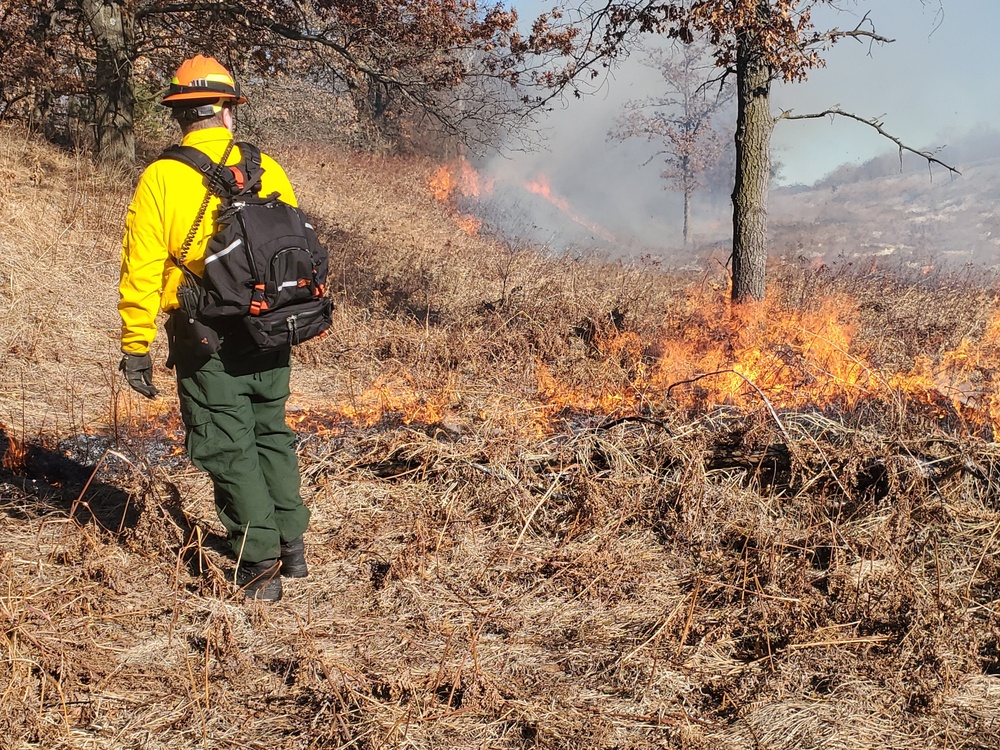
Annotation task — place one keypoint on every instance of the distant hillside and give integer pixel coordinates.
(909, 214)
(978, 148)
(902, 213)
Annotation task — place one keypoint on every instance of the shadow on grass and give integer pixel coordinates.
(88, 482)
(36, 480)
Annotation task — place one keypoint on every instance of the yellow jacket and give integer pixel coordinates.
(161, 214)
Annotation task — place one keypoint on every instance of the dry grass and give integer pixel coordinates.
(494, 564)
(58, 261)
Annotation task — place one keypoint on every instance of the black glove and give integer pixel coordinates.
(138, 369)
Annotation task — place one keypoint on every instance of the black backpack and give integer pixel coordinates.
(264, 264)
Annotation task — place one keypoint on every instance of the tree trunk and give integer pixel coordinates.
(753, 170)
(372, 103)
(114, 97)
(688, 191)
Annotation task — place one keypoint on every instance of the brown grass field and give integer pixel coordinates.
(557, 503)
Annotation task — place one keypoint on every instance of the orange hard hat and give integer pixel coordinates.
(202, 79)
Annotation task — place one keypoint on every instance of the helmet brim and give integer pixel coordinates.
(192, 97)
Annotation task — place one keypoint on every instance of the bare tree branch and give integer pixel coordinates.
(876, 124)
(834, 35)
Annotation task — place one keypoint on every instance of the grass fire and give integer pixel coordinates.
(557, 501)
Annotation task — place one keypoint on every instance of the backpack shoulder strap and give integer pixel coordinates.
(196, 159)
(250, 154)
(224, 181)
(192, 157)
(248, 181)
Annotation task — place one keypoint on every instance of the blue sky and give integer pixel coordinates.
(938, 80)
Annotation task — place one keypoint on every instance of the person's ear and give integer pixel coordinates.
(227, 118)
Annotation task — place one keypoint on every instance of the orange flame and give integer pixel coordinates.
(16, 454)
(540, 186)
(442, 184)
(158, 420)
(459, 178)
(790, 359)
(399, 396)
(469, 224)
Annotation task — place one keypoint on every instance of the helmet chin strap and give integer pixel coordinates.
(203, 111)
(193, 114)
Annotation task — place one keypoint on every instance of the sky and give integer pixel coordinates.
(938, 80)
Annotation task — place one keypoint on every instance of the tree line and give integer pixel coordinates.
(449, 61)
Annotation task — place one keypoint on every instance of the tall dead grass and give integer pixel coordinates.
(58, 264)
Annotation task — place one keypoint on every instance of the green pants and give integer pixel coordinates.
(234, 415)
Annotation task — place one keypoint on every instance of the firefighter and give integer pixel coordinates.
(232, 400)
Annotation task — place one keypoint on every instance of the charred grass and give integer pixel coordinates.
(516, 540)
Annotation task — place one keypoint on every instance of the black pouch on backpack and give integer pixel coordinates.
(190, 331)
(290, 325)
(189, 338)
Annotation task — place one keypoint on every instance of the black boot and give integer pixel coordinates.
(260, 580)
(293, 559)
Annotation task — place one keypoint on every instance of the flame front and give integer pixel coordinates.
(789, 359)
(706, 354)
(540, 186)
(460, 179)
(399, 396)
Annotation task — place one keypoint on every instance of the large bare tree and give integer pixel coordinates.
(112, 24)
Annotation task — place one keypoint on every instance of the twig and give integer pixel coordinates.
(989, 543)
(642, 420)
(829, 468)
(657, 719)
(79, 498)
(655, 635)
(774, 414)
(690, 617)
(527, 521)
(761, 594)
(813, 644)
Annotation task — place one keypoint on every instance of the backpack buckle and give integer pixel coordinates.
(238, 177)
(257, 302)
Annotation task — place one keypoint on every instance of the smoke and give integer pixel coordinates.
(927, 87)
(599, 193)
